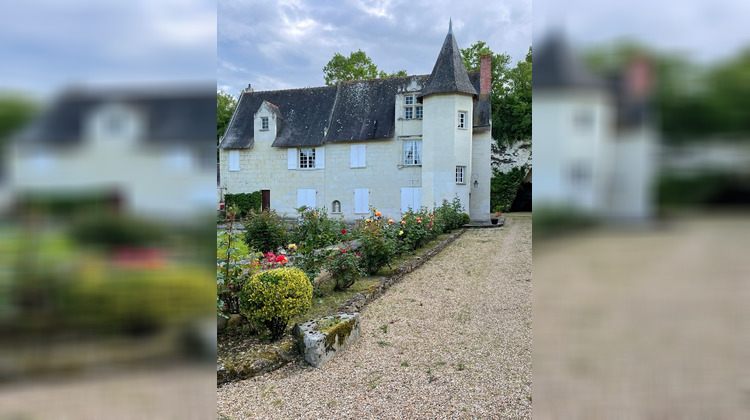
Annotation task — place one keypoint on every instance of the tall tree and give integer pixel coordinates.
(357, 66)
(225, 104)
(510, 94)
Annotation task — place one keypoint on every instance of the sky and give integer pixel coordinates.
(702, 30)
(286, 44)
(48, 44)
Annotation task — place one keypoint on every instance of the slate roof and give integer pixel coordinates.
(556, 66)
(449, 73)
(178, 114)
(357, 110)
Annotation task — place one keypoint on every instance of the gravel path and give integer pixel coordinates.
(452, 340)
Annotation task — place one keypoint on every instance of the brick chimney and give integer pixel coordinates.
(485, 75)
(639, 79)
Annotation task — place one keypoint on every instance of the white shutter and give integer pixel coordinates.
(406, 199)
(361, 200)
(291, 159)
(417, 200)
(320, 157)
(301, 198)
(358, 155)
(234, 160)
(311, 199)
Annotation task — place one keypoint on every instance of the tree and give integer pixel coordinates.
(225, 104)
(510, 94)
(15, 111)
(357, 66)
(511, 112)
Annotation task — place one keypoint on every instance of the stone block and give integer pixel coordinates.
(318, 347)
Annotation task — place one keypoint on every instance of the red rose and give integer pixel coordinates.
(343, 231)
(358, 254)
(343, 251)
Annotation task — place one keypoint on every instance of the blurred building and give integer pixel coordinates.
(594, 137)
(144, 151)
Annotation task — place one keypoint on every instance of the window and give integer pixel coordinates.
(413, 152)
(336, 206)
(306, 197)
(411, 198)
(408, 113)
(361, 200)
(461, 119)
(460, 170)
(306, 158)
(358, 155)
(409, 108)
(264, 123)
(234, 160)
(583, 120)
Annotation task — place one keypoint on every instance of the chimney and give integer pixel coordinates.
(639, 78)
(485, 75)
(249, 88)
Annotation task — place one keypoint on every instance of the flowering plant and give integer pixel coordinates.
(344, 267)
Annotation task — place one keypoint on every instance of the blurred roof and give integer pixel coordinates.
(556, 66)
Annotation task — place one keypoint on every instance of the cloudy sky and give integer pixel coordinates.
(285, 44)
(47, 44)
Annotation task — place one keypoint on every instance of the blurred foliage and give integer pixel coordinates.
(556, 221)
(108, 231)
(16, 110)
(697, 189)
(692, 101)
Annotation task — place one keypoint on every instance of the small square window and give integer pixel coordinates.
(264, 123)
(409, 100)
(419, 111)
(461, 119)
(460, 170)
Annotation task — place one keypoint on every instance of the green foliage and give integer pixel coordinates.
(379, 243)
(504, 187)
(344, 268)
(510, 94)
(450, 214)
(231, 251)
(225, 105)
(271, 298)
(15, 112)
(357, 66)
(265, 231)
(694, 189)
(465, 219)
(134, 301)
(245, 202)
(109, 231)
(315, 231)
(557, 221)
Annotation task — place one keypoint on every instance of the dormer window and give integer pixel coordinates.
(264, 123)
(411, 109)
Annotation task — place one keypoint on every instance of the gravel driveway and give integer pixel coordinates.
(452, 340)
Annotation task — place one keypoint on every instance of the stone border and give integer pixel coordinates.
(270, 360)
(357, 302)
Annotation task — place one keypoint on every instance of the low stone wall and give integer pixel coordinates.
(318, 347)
(357, 302)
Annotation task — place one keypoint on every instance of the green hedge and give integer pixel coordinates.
(504, 187)
(244, 201)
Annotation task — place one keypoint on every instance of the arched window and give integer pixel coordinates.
(336, 206)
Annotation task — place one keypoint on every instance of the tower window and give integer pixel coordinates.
(461, 119)
(264, 123)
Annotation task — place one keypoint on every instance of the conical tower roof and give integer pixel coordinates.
(449, 74)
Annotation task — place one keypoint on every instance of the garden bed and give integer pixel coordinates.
(242, 354)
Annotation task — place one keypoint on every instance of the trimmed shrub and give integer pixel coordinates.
(265, 231)
(465, 219)
(110, 231)
(271, 298)
(245, 202)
